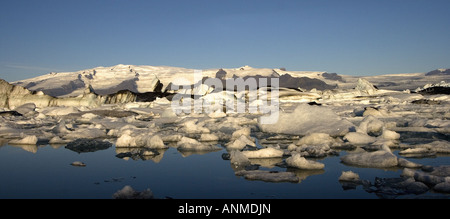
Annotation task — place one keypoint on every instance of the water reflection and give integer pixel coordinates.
(178, 181)
(185, 153)
(266, 162)
(303, 174)
(144, 154)
(29, 148)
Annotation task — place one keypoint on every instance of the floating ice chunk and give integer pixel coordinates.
(406, 163)
(89, 116)
(27, 140)
(376, 112)
(440, 146)
(297, 161)
(89, 133)
(268, 176)
(322, 150)
(269, 152)
(78, 164)
(239, 159)
(209, 137)
(172, 138)
(217, 114)
(377, 159)
(243, 131)
(292, 147)
(407, 172)
(308, 119)
(8, 132)
(59, 111)
(359, 138)
(414, 151)
(319, 139)
(168, 113)
(26, 109)
(240, 143)
(349, 176)
(58, 140)
(127, 192)
(125, 140)
(428, 178)
(61, 128)
(155, 142)
(190, 144)
(192, 127)
(430, 148)
(364, 87)
(390, 135)
(443, 187)
(370, 125)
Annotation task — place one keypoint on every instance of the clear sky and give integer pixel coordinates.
(354, 37)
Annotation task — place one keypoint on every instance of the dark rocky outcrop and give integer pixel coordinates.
(333, 76)
(10, 113)
(288, 81)
(435, 90)
(88, 145)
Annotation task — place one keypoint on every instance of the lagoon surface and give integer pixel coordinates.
(45, 172)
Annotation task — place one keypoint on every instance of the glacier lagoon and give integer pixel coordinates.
(47, 173)
(320, 134)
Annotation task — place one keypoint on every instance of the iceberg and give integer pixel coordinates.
(306, 119)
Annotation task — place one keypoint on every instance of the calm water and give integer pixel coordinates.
(47, 173)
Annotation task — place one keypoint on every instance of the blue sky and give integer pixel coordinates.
(358, 37)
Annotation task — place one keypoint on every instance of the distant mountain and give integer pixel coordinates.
(441, 71)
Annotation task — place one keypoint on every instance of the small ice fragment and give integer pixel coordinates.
(78, 164)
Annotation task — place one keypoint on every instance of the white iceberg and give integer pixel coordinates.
(378, 159)
(190, 144)
(349, 176)
(306, 119)
(359, 138)
(299, 162)
(269, 152)
(240, 143)
(26, 140)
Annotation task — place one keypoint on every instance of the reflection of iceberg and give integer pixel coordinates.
(303, 174)
(266, 162)
(192, 145)
(185, 153)
(3, 142)
(56, 146)
(30, 148)
(140, 154)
